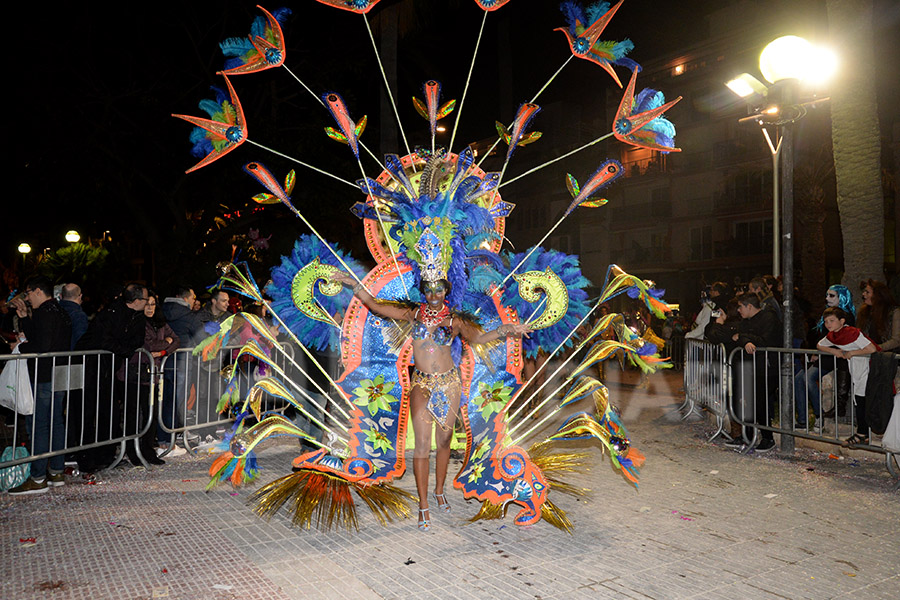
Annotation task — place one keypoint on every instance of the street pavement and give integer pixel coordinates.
(706, 522)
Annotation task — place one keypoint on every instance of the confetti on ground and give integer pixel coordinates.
(645, 509)
(714, 472)
(770, 496)
(28, 542)
(220, 586)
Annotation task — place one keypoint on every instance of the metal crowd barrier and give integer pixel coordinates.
(757, 378)
(675, 350)
(191, 389)
(705, 381)
(89, 399)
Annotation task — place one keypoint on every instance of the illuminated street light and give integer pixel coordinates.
(792, 57)
(785, 63)
(24, 248)
(72, 236)
(745, 85)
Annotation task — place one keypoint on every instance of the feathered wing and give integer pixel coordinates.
(315, 334)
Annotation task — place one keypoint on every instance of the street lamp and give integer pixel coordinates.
(24, 248)
(72, 236)
(785, 63)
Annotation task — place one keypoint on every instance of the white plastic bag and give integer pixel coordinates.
(15, 386)
(891, 439)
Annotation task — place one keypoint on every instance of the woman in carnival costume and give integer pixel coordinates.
(436, 386)
(433, 219)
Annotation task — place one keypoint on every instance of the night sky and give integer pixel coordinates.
(94, 147)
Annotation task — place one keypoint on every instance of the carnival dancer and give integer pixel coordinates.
(436, 388)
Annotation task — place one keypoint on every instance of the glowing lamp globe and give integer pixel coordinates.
(792, 57)
(72, 236)
(787, 57)
(24, 248)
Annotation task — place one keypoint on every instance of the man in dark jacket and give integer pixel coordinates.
(119, 329)
(47, 329)
(186, 323)
(70, 301)
(759, 328)
(179, 314)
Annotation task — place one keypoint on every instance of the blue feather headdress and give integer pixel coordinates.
(313, 334)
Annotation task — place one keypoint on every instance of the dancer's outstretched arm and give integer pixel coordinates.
(370, 302)
(473, 336)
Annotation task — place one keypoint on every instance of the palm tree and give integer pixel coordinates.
(856, 139)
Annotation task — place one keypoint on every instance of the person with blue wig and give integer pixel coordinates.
(807, 382)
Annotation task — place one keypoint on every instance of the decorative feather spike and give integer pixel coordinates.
(223, 132)
(638, 289)
(602, 177)
(584, 30)
(263, 49)
(463, 162)
(338, 109)
(429, 109)
(369, 185)
(490, 5)
(516, 134)
(259, 172)
(394, 165)
(234, 280)
(273, 387)
(246, 441)
(227, 467)
(356, 6)
(209, 347)
(600, 352)
(582, 388)
(260, 327)
(640, 123)
(420, 108)
(253, 349)
(583, 426)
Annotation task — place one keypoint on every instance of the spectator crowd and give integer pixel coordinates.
(857, 347)
(111, 397)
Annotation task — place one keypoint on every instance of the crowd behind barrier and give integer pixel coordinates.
(100, 401)
(94, 402)
(749, 390)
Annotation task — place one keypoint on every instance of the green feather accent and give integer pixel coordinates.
(446, 109)
(336, 135)
(420, 108)
(572, 185)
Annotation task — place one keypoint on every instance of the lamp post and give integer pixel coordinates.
(24, 248)
(785, 63)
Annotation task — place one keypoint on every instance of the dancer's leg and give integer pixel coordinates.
(421, 420)
(443, 438)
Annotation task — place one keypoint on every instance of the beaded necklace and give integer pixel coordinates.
(431, 317)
